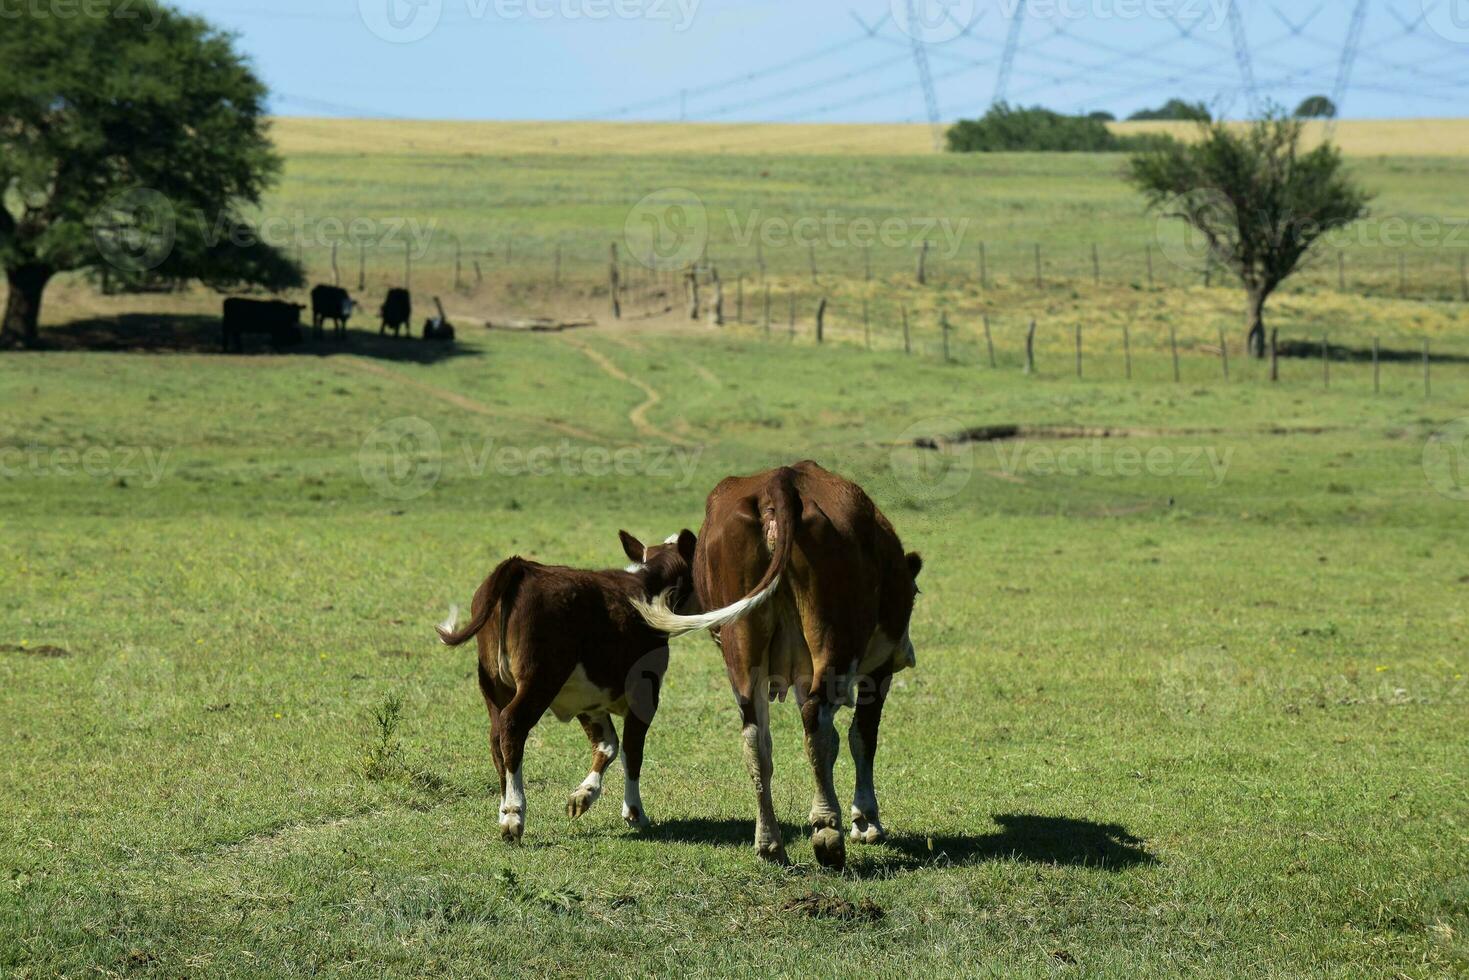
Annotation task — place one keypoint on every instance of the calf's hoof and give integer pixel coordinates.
(512, 826)
(581, 801)
(831, 850)
(634, 817)
(774, 852)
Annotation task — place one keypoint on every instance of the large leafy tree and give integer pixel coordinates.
(132, 142)
(1259, 200)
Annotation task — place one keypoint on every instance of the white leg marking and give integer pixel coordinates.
(866, 826)
(632, 805)
(590, 789)
(512, 809)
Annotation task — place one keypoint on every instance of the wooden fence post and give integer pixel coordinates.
(691, 287)
(1173, 344)
(1030, 349)
(821, 320)
(1376, 366)
(907, 339)
(1274, 354)
(479, 275)
(716, 313)
(1224, 352)
(922, 263)
(740, 298)
(361, 267)
(1096, 266)
(1127, 350)
(989, 341)
(1464, 277)
(408, 267)
(615, 277)
(944, 328)
(336, 272)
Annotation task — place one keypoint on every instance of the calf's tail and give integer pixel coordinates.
(501, 583)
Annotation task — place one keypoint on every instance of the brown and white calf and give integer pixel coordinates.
(570, 641)
(810, 593)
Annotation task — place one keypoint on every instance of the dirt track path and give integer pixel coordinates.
(639, 415)
(464, 402)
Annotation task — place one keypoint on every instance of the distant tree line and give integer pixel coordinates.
(1007, 128)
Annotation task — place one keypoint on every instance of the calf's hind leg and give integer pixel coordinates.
(603, 736)
(516, 720)
(642, 705)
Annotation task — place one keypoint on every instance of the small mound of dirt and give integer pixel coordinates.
(817, 906)
(49, 652)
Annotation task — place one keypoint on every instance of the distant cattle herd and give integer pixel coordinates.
(280, 321)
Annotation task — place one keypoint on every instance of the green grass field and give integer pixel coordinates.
(1190, 694)
(1189, 700)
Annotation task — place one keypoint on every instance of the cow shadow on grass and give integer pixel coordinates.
(1022, 837)
(186, 333)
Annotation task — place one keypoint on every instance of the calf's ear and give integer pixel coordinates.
(632, 547)
(687, 542)
(915, 564)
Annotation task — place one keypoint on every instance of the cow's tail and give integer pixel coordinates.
(785, 501)
(502, 582)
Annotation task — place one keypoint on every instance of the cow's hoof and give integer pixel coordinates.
(865, 830)
(581, 801)
(774, 852)
(512, 826)
(634, 817)
(831, 850)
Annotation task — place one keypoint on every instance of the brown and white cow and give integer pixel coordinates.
(569, 640)
(810, 592)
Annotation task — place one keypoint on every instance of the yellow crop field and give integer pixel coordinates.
(1384, 137)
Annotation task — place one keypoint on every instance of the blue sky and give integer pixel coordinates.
(764, 60)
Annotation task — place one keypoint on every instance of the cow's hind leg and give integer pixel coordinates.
(745, 653)
(862, 740)
(603, 736)
(822, 745)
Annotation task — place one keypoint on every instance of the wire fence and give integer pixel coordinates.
(1410, 272)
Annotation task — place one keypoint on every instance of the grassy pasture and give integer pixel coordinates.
(1190, 698)
(1197, 710)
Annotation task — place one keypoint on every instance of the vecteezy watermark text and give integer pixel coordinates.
(148, 464)
(407, 21)
(403, 458)
(1105, 458)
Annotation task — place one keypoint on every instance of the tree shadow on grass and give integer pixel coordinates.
(1022, 837)
(184, 333)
